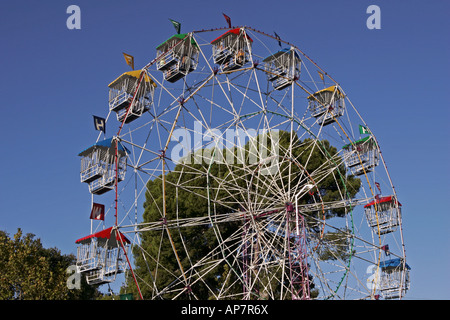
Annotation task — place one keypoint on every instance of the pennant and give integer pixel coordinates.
(228, 20)
(129, 59)
(385, 248)
(176, 25)
(278, 38)
(363, 130)
(100, 124)
(98, 211)
(320, 75)
(378, 186)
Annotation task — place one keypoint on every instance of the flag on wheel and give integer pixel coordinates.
(176, 25)
(228, 19)
(378, 186)
(100, 124)
(129, 59)
(98, 211)
(363, 130)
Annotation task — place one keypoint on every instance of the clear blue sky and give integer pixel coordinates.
(54, 79)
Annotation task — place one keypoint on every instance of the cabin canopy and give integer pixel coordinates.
(173, 40)
(107, 145)
(360, 142)
(279, 53)
(133, 78)
(331, 89)
(111, 235)
(383, 200)
(232, 33)
(393, 263)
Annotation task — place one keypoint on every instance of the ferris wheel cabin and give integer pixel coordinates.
(98, 168)
(394, 278)
(99, 255)
(282, 68)
(131, 84)
(178, 56)
(361, 156)
(326, 105)
(383, 214)
(232, 49)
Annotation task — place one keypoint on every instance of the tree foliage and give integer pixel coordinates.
(187, 197)
(28, 271)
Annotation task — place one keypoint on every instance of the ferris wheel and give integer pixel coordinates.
(240, 169)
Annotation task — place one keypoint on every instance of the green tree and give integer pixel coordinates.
(28, 271)
(180, 204)
(186, 196)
